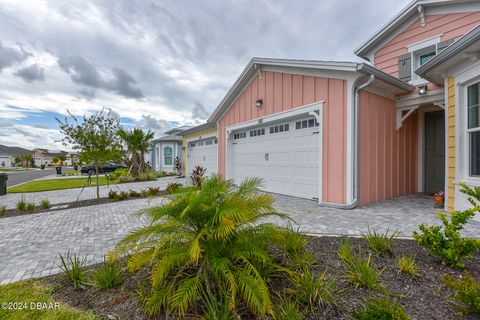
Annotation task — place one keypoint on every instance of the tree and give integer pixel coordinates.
(61, 159)
(96, 137)
(212, 243)
(26, 159)
(137, 141)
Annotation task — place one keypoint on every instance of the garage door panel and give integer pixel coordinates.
(201, 154)
(287, 161)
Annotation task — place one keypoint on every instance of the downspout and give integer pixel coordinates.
(356, 140)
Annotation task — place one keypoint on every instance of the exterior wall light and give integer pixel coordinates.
(259, 103)
(422, 90)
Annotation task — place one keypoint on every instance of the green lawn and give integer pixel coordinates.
(71, 172)
(35, 291)
(13, 169)
(55, 184)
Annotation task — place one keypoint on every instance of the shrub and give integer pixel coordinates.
(287, 308)
(406, 264)
(72, 266)
(467, 293)
(109, 275)
(30, 206)
(21, 205)
(173, 187)
(210, 239)
(380, 242)
(122, 195)
(45, 204)
(134, 194)
(215, 309)
(446, 241)
(3, 210)
(112, 194)
(381, 308)
(153, 191)
(314, 290)
(127, 178)
(147, 175)
(359, 271)
(117, 174)
(198, 175)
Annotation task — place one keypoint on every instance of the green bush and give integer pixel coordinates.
(173, 187)
(3, 210)
(467, 293)
(380, 242)
(209, 240)
(109, 275)
(134, 194)
(72, 266)
(288, 309)
(153, 191)
(381, 309)
(30, 206)
(21, 205)
(112, 194)
(359, 271)
(147, 175)
(117, 174)
(313, 291)
(446, 241)
(406, 264)
(45, 204)
(122, 195)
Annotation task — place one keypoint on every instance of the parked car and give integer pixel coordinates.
(103, 168)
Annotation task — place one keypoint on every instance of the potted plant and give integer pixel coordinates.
(439, 199)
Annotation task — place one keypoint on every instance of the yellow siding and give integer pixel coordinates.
(451, 143)
(194, 136)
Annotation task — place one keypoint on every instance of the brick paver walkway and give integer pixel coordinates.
(29, 245)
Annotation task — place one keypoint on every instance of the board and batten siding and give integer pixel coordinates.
(388, 157)
(451, 144)
(449, 26)
(281, 92)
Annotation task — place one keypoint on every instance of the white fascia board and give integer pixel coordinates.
(344, 73)
(201, 137)
(276, 117)
(425, 43)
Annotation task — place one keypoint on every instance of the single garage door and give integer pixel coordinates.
(285, 155)
(202, 153)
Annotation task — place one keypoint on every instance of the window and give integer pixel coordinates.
(192, 145)
(239, 135)
(424, 58)
(201, 143)
(208, 142)
(310, 123)
(257, 132)
(167, 156)
(279, 128)
(473, 120)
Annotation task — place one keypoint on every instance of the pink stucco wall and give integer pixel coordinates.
(388, 158)
(451, 26)
(280, 92)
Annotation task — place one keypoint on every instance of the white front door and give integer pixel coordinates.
(202, 153)
(285, 155)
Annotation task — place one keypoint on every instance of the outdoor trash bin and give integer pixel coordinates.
(3, 183)
(59, 170)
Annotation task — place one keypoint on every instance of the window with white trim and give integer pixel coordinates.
(257, 132)
(280, 128)
(167, 156)
(239, 135)
(473, 128)
(310, 123)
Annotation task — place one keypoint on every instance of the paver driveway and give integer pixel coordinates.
(29, 245)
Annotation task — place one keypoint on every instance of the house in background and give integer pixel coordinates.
(8, 155)
(165, 149)
(45, 156)
(6, 161)
(200, 148)
(348, 133)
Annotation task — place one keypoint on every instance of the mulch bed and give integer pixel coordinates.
(71, 205)
(422, 298)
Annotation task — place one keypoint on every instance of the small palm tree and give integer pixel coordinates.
(209, 244)
(143, 147)
(137, 141)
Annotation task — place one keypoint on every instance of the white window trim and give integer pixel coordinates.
(464, 80)
(415, 56)
(165, 158)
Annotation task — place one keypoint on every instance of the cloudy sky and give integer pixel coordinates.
(158, 64)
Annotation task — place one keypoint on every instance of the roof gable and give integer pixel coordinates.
(416, 10)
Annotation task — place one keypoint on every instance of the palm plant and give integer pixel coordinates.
(143, 147)
(137, 141)
(209, 242)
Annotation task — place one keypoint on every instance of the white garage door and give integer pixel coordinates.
(202, 153)
(285, 155)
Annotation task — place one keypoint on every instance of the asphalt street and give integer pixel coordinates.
(15, 178)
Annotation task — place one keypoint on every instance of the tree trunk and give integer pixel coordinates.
(98, 186)
(134, 164)
(142, 162)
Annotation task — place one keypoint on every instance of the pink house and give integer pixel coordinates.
(347, 133)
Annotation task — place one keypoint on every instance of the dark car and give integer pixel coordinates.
(103, 168)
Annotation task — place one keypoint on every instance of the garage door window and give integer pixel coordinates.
(167, 156)
(239, 135)
(257, 132)
(280, 128)
(192, 145)
(306, 124)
